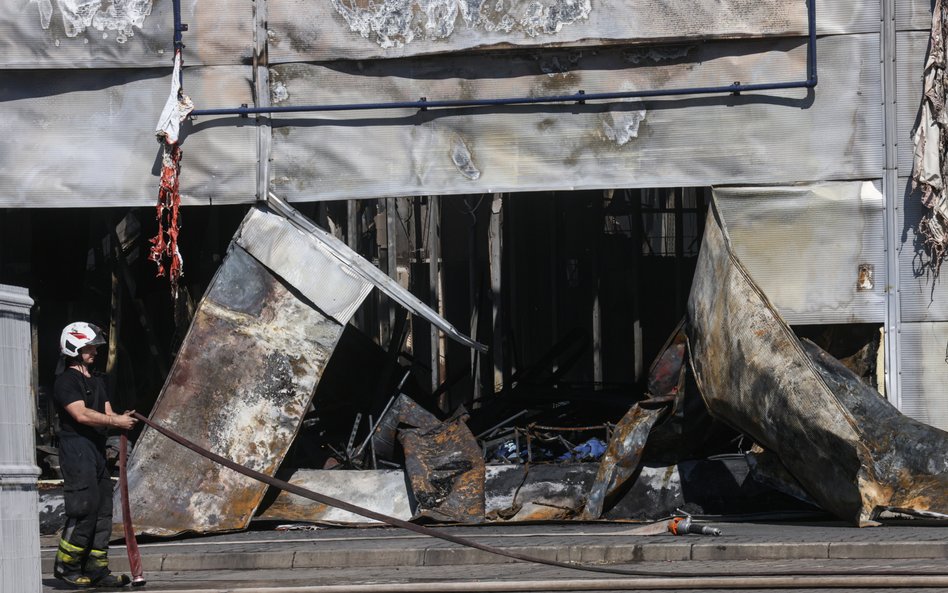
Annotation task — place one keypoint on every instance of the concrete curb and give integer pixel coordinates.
(591, 554)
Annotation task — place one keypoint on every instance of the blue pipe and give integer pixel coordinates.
(178, 26)
(578, 97)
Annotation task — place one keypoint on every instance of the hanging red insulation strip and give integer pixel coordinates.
(131, 544)
(164, 245)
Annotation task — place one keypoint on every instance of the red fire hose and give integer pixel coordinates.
(131, 544)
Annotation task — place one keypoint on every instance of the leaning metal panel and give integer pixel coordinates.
(59, 127)
(852, 451)
(817, 251)
(348, 30)
(241, 382)
(306, 263)
(832, 133)
(40, 34)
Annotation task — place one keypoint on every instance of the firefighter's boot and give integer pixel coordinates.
(68, 565)
(97, 570)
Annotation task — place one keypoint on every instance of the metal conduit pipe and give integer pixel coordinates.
(723, 583)
(578, 97)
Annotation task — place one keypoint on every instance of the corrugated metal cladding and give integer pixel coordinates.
(301, 30)
(922, 297)
(913, 15)
(925, 372)
(75, 138)
(833, 133)
(19, 522)
(305, 263)
(911, 48)
(804, 245)
(39, 34)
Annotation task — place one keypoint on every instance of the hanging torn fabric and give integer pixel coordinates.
(931, 141)
(164, 245)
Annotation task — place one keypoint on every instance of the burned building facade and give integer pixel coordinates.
(540, 174)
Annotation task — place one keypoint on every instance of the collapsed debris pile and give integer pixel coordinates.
(739, 415)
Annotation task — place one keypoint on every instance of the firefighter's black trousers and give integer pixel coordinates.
(87, 489)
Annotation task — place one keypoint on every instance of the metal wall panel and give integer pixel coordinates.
(300, 30)
(913, 15)
(122, 34)
(911, 49)
(803, 245)
(781, 136)
(80, 138)
(925, 372)
(923, 297)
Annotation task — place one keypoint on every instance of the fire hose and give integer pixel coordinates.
(435, 533)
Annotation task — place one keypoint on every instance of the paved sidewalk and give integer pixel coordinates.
(594, 543)
(219, 581)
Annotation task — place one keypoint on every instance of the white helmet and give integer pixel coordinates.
(79, 334)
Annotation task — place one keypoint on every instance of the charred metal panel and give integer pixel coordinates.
(383, 491)
(622, 457)
(122, 33)
(59, 127)
(240, 385)
(300, 259)
(402, 412)
(537, 492)
(805, 246)
(910, 458)
(831, 134)
(754, 374)
(446, 471)
(924, 372)
(355, 29)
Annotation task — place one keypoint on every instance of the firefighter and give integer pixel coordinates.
(85, 415)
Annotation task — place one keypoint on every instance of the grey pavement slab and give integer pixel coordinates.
(587, 543)
(216, 580)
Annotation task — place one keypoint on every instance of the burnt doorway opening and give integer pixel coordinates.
(612, 269)
(566, 288)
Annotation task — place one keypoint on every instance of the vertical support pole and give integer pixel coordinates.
(391, 235)
(892, 194)
(597, 228)
(261, 85)
(635, 205)
(115, 328)
(678, 203)
(436, 295)
(473, 296)
(381, 318)
(353, 234)
(554, 262)
(495, 238)
(34, 357)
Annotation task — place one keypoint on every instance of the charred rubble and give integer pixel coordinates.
(737, 416)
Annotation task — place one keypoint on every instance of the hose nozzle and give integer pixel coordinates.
(684, 526)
